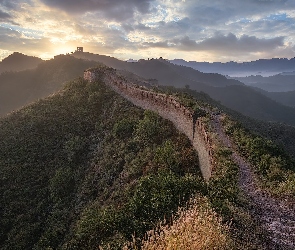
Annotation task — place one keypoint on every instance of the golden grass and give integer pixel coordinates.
(197, 227)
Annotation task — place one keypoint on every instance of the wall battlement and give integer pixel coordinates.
(166, 106)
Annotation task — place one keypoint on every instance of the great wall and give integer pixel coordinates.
(275, 216)
(166, 106)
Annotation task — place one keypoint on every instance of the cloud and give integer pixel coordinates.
(223, 28)
(14, 4)
(14, 41)
(270, 26)
(7, 4)
(244, 43)
(4, 15)
(116, 9)
(222, 43)
(8, 35)
(219, 13)
(129, 27)
(6, 18)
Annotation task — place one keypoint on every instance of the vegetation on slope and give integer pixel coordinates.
(281, 134)
(274, 167)
(286, 98)
(76, 167)
(85, 168)
(196, 227)
(223, 188)
(268, 146)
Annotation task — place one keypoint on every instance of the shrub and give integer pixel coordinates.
(123, 128)
(197, 227)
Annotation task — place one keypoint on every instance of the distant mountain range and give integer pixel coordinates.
(265, 67)
(20, 88)
(229, 92)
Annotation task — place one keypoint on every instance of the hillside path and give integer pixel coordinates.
(275, 216)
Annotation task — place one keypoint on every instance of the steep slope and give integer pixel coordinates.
(19, 62)
(281, 134)
(254, 104)
(75, 168)
(285, 98)
(274, 168)
(188, 120)
(20, 88)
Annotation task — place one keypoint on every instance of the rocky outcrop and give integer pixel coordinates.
(166, 106)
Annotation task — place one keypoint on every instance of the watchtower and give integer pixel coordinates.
(79, 49)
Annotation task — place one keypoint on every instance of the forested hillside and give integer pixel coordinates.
(75, 168)
(85, 168)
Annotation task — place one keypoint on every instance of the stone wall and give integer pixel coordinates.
(166, 106)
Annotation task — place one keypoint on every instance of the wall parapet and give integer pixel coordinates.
(167, 106)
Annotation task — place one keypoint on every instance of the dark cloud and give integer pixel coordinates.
(6, 18)
(13, 4)
(132, 27)
(175, 27)
(222, 43)
(269, 27)
(269, 1)
(7, 4)
(115, 9)
(218, 13)
(245, 43)
(6, 34)
(4, 15)
(168, 30)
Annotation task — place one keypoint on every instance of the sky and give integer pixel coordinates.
(194, 30)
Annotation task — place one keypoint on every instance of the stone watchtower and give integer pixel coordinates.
(79, 49)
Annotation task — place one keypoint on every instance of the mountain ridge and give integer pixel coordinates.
(229, 92)
(18, 62)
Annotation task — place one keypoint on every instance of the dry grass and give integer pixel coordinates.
(197, 227)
